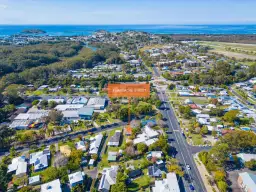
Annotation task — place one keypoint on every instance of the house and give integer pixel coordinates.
(40, 159)
(247, 181)
(115, 139)
(36, 180)
(80, 145)
(168, 184)
(188, 101)
(65, 150)
(135, 173)
(53, 186)
(154, 171)
(95, 143)
(154, 154)
(108, 178)
(112, 156)
(76, 178)
(85, 113)
(128, 131)
(18, 165)
(91, 162)
(243, 157)
(97, 103)
(149, 136)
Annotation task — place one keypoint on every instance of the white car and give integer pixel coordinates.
(188, 167)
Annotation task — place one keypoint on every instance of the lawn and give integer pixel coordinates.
(104, 158)
(240, 51)
(197, 139)
(198, 100)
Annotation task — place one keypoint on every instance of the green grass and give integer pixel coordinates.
(197, 139)
(198, 100)
(220, 48)
(141, 182)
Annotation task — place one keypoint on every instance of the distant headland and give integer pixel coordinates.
(33, 31)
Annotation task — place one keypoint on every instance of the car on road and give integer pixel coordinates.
(188, 167)
(191, 187)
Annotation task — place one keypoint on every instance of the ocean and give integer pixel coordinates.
(75, 30)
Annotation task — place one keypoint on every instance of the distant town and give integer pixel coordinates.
(60, 130)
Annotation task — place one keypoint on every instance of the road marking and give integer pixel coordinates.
(192, 160)
(178, 144)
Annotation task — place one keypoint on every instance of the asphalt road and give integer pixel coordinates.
(57, 139)
(177, 140)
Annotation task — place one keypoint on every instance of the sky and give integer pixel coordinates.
(95, 12)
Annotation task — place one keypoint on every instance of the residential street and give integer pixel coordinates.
(177, 140)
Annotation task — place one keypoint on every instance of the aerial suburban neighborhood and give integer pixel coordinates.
(61, 131)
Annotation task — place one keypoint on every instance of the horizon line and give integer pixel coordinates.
(137, 24)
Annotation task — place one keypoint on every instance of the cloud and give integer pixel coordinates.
(3, 6)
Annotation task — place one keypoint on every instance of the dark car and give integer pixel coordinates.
(192, 188)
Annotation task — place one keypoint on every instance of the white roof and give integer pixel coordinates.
(53, 186)
(150, 141)
(96, 101)
(41, 162)
(15, 162)
(68, 107)
(108, 177)
(20, 124)
(34, 179)
(157, 154)
(246, 157)
(70, 114)
(151, 133)
(202, 116)
(75, 177)
(95, 144)
(57, 100)
(30, 116)
(80, 145)
(148, 136)
(22, 168)
(249, 180)
(170, 184)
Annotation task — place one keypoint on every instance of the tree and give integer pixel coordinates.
(219, 153)
(44, 104)
(219, 175)
(12, 152)
(75, 159)
(204, 130)
(78, 188)
(222, 185)
(6, 134)
(52, 104)
(3, 178)
(52, 149)
(171, 86)
(27, 189)
(35, 102)
(142, 147)
(55, 117)
(231, 116)
(251, 164)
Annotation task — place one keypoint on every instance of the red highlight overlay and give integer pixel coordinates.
(128, 90)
